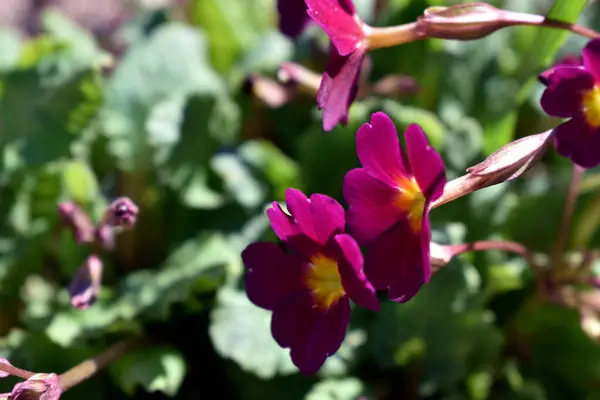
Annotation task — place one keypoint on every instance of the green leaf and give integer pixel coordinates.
(232, 27)
(158, 369)
(240, 331)
(11, 49)
(146, 95)
(79, 182)
(53, 117)
(413, 331)
(336, 389)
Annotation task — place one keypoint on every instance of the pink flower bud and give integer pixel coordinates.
(85, 285)
(38, 387)
(78, 221)
(469, 21)
(122, 212)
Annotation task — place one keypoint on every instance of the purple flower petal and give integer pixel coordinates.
(576, 140)
(318, 218)
(569, 60)
(354, 280)
(395, 262)
(85, 285)
(271, 274)
(339, 20)
(372, 210)
(293, 17)
(563, 96)
(591, 58)
(282, 223)
(427, 165)
(378, 150)
(324, 339)
(339, 86)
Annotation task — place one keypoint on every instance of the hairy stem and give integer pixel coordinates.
(14, 371)
(559, 245)
(90, 367)
(503, 245)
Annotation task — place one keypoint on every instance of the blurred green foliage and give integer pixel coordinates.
(160, 114)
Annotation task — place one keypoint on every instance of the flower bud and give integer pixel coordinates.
(78, 221)
(440, 255)
(122, 212)
(38, 387)
(469, 21)
(504, 165)
(85, 285)
(302, 78)
(6, 362)
(267, 91)
(105, 236)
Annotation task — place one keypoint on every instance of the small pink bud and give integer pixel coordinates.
(6, 362)
(78, 221)
(105, 236)
(269, 92)
(440, 255)
(122, 212)
(38, 387)
(469, 21)
(85, 285)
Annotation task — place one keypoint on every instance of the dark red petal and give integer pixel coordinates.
(339, 86)
(324, 339)
(427, 165)
(354, 280)
(271, 274)
(395, 262)
(591, 58)
(576, 140)
(318, 218)
(563, 96)
(339, 20)
(293, 17)
(378, 150)
(372, 210)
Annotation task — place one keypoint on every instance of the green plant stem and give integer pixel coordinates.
(90, 367)
(559, 245)
(14, 371)
(502, 245)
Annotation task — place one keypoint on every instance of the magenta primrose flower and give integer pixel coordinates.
(309, 285)
(339, 84)
(388, 202)
(292, 17)
(573, 91)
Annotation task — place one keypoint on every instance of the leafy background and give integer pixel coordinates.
(148, 99)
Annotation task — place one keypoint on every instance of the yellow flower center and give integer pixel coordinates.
(591, 106)
(411, 200)
(325, 282)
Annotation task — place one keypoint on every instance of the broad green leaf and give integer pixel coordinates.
(336, 389)
(79, 182)
(241, 331)
(146, 95)
(156, 369)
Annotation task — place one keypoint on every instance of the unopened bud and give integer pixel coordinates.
(38, 387)
(4, 361)
(78, 222)
(122, 212)
(300, 77)
(395, 85)
(269, 92)
(504, 165)
(469, 21)
(85, 285)
(590, 323)
(105, 236)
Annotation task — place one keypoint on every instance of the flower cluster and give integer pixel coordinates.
(310, 280)
(122, 213)
(309, 283)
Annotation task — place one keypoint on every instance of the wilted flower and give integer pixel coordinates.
(38, 387)
(574, 92)
(351, 38)
(85, 285)
(308, 286)
(78, 221)
(292, 17)
(389, 200)
(122, 212)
